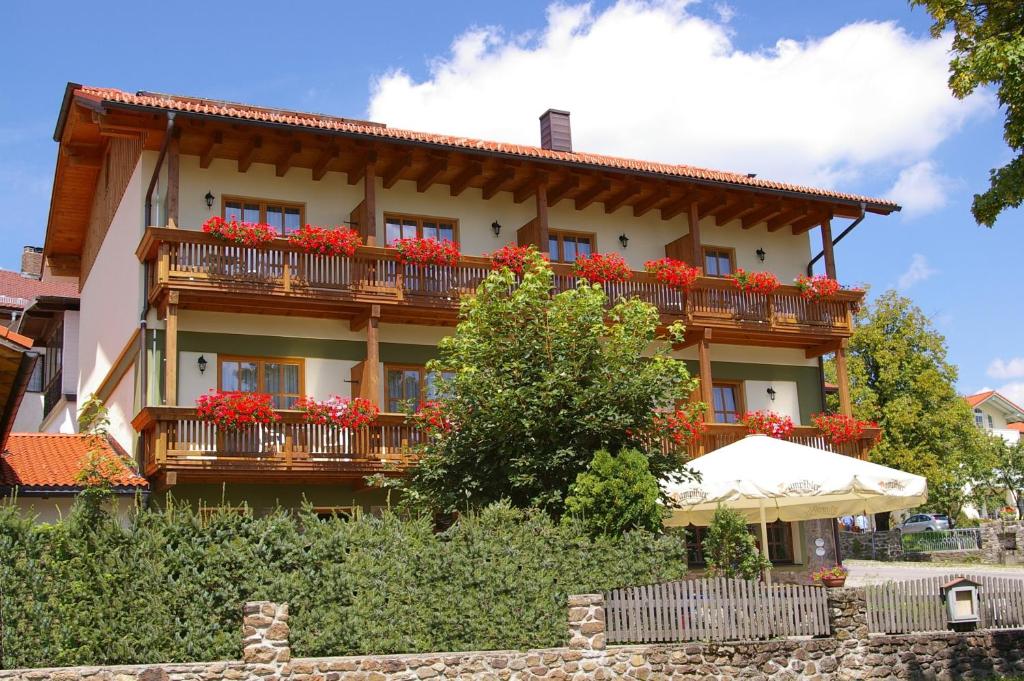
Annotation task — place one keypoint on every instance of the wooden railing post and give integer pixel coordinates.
(163, 266)
(160, 449)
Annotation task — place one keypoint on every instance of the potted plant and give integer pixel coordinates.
(817, 288)
(233, 411)
(352, 413)
(326, 240)
(764, 422)
(832, 577)
(240, 233)
(674, 273)
(754, 282)
(839, 429)
(602, 268)
(416, 251)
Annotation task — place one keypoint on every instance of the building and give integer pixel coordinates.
(169, 313)
(997, 415)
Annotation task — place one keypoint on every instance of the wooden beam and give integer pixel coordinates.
(733, 211)
(542, 216)
(245, 160)
(326, 156)
(760, 214)
(459, 183)
(559, 191)
(369, 230)
(704, 364)
(393, 172)
(619, 199)
(171, 350)
(83, 155)
(712, 204)
(697, 254)
(369, 385)
(494, 185)
(287, 159)
(64, 265)
(826, 247)
(822, 348)
(679, 205)
(785, 218)
(213, 145)
(358, 169)
(359, 321)
(435, 167)
(808, 222)
(648, 203)
(590, 194)
(173, 177)
(528, 187)
(843, 380)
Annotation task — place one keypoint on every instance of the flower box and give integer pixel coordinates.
(233, 411)
(681, 427)
(513, 257)
(338, 411)
(415, 251)
(816, 288)
(674, 273)
(601, 268)
(240, 233)
(755, 282)
(839, 429)
(768, 423)
(326, 240)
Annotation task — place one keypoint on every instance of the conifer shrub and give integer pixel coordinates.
(168, 586)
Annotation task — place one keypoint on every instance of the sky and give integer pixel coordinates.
(849, 95)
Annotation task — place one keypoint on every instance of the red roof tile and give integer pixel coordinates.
(16, 337)
(1018, 426)
(53, 460)
(16, 291)
(975, 400)
(212, 107)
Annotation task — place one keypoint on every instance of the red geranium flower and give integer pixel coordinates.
(817, 287)
(241, 233)
(755, 282)
(427, 252)
(674, 273)
(512, 257)
(233, 410)
(768, 423)
(839, 429)
(601, 268)
(338, 411)
(326, 240)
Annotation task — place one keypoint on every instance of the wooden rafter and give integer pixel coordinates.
(760, 214)
(809, 222)
(559, 191)
(213, 145)
(358, 168)
(469, 172)
(328, 154)
(590, 194)
(648, 203)
(435, 167)
(823, 348)
(245, 160)
(619, 199)
(528, 187)
(393, 172)
(84, 155)
(497, 181)
(284, 163)
(784, 218)
(679, 205)
(710, 205)
(733, 211)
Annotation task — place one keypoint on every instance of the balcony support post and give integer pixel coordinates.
(173, 175)
(368, 226)
(171, 351)
(542, 217)
(369, 387)
(843, 379)
(697, 253)
(826, 248)
(704, 358)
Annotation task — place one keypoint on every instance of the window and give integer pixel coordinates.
(718, 261)
(780, 541)
(280, 378)
(53, 360)
(728, 402)
(991, 425)
(418, 227)
(409, 385)
(567, 246)
(282, 216)
(35, 381)
(979, 418)
(695, 545)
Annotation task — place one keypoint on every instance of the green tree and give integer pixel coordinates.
(988, 50)
(616, 494)
(100, 467)
(1002, 474)
(899, 377)
(729, 548)
(536, 384)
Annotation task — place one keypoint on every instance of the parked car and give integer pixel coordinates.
(925, 522)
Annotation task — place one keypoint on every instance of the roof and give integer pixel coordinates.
(52, 461)
(15, 338)
(1018, 426)
(17, 290)
(322, 122)
(1007, 406)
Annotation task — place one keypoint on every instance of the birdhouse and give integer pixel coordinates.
(961, 598)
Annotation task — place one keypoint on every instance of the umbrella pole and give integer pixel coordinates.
(764, 543)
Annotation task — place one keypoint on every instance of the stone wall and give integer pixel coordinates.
(850, 653)
(887, 545)
(1002, 542)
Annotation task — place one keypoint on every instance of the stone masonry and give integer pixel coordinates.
(850, 653)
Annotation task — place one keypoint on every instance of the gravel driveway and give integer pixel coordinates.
(873, 572)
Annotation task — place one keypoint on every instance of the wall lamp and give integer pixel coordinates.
(496, 228)
(209, 199)
(760, 254)
(624, 240)
(201, 363)
(771, 393)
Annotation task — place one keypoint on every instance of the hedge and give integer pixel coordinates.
(169, 586)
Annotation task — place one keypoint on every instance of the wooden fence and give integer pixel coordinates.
(915, 605)
(714, 610)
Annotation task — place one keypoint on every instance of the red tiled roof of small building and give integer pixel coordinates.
(16, 290)
(51, 460)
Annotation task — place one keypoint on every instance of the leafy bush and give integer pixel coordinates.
(616, 494)
(729, 548)
(170, 586)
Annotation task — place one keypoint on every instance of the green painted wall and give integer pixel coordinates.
(265, 498)
(807, 380)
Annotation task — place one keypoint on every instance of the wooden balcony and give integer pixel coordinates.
(181, 448)
(283, 279)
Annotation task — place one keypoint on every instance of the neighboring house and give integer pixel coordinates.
(996, 415)
(40, 471)
(22, 293)
(169, 313)
(17, 361)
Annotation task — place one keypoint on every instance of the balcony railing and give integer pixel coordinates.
(191, 259)
(177, 440)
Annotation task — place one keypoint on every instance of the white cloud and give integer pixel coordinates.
(1006, 369)
(647, 79)
(920, 189)
(918, 271)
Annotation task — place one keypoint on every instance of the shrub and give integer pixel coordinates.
(616, 494)
(729, 548)
(170, 586)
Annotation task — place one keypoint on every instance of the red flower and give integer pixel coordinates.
(431, 418)
(817, 287)
(680, 426)
(839, 429)
(512, 257)
(768, 423)
(674, 273)
(338, 411)
(232, 410)
(427, 252)
(326, 240)
(241, 233)
(755, 282)
(602, 268)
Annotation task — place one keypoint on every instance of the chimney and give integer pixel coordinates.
(32, 262)
(555, 133)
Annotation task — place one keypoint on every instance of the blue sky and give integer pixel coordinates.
(847, 100)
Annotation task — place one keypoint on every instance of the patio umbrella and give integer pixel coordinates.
(768, 479)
